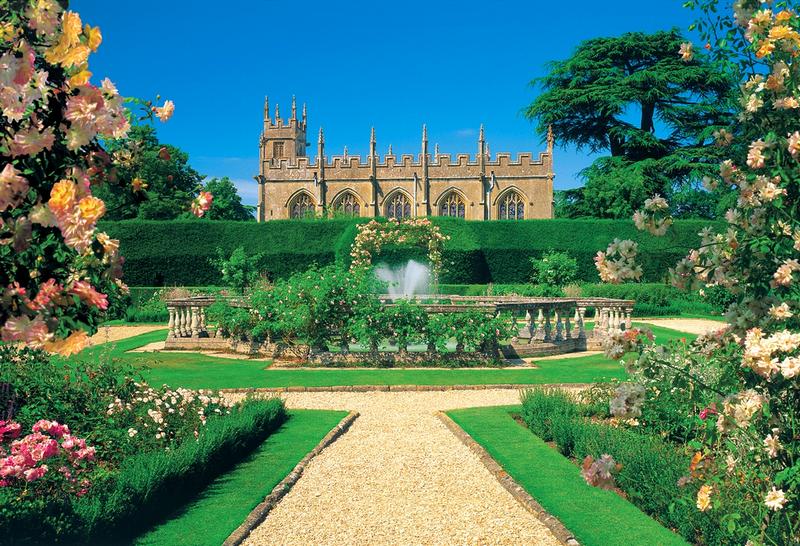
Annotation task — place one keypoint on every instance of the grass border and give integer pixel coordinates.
(260, 512)
(596, 517)
(507, 481)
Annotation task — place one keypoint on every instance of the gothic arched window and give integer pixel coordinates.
(301, 206)
(398, 207)
(347, 205)
(452, 205)
(511, 207)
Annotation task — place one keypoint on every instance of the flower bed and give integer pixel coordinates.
(649, 469)
(88, 454)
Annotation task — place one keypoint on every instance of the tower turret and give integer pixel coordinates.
(282, 141)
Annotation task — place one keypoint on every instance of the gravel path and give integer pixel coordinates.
(107, 334)
(692, 326)
(398, 476)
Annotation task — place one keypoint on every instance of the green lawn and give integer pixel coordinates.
(194, 370)
(223, 506)
(596, 517)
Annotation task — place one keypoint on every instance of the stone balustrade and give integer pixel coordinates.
(544, 326)
(187, 317)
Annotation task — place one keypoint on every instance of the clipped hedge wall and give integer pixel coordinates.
(177, 252)
(165, 253)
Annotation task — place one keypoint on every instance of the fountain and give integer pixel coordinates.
(405, 280)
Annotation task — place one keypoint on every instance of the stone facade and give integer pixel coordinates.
(479, 187)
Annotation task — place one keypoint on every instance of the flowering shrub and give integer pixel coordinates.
(655, 218)
(56, 270)
(314, 306)
(49, 461)
(732, 397)
(374, 235)
(618, 262)
(600, 472)
(164, 417)
(619, 342)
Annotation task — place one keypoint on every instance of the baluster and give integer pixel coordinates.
(195, 321)
(526, 330)
(184, 321)
(567, 326)
(547, 326)
(581, 312)
(603, 331)
(203, 328)
(628, 316)
(540, 325)
(559, 326)
(171, 323)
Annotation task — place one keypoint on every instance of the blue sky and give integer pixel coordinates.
(395, 66)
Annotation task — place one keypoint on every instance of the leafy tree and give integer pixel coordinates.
(162, 170)
(635, 98)
(227, 204)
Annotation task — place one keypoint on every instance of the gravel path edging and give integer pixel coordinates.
(403, 388)
(510, 485)
(260, 512)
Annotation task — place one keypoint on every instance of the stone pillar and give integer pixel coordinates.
(567, 326)
(171, 323)
(628, 316)
(184, 321)
(601, 322)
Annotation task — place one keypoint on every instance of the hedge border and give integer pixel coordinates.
(477, 252)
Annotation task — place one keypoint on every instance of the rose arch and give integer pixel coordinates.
(374, 235)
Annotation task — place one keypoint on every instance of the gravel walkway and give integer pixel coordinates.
(107, 334)
(691, 326)
(398, 476)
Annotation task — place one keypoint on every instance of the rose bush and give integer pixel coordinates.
(57, 271)
(732, 397)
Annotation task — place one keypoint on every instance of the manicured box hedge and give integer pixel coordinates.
(178, 252)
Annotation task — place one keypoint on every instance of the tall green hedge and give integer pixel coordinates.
(178, 252)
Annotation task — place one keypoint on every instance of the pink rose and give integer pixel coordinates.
(35, 473)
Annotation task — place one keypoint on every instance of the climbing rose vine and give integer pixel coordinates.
(374, 235)
(56, 270)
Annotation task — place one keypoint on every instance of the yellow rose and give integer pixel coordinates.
(93, 37)
(91, 208)
(62, 196)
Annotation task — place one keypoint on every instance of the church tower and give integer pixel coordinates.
(282, 139)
